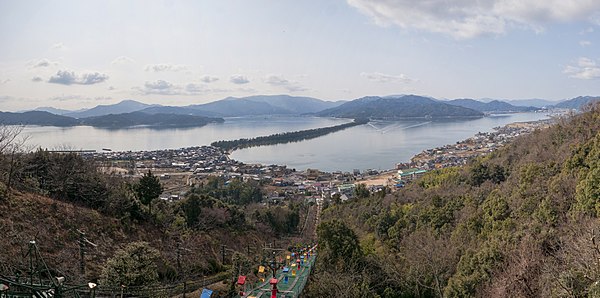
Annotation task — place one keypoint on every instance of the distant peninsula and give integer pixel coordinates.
(155, 120)
(287, 137)
(122, 120)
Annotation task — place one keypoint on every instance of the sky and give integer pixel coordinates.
(79, 54)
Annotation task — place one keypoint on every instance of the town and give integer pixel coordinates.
(481, 144)
(180, 169)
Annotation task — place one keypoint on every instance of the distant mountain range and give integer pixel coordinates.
(52, 110)
(578, 102)
(125, 106)
(494, 106)
(406, 106)
(41, 118)
(228, 107)
(394, 106)
(534, 102)
(266, 105)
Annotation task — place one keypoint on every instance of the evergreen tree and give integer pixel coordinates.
(148, 189)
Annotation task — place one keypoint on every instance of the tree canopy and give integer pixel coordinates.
(134, 265)
(148, 189)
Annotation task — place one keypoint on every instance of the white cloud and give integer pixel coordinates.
(165, 67)
(66, 77)
(586, 69)
(43, 63)
(585, 43)
(209, 79)
(385, 78)
(122, 60)
(79, 98)
(58, 46)
(4, 81)
(162, 87)
(159, 87)
(36, 79)
(279, 81)
(239, 79)
(464, 19)
(194, 88)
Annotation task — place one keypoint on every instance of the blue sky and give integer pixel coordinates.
(75, 54)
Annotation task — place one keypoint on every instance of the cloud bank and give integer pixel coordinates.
(162, 87)
(279, 81)
(385, 78)
(209, 79)
(585, 69)
(239, 79)
(165, 67)
(463, 19)
(44, 63)
(122, 60)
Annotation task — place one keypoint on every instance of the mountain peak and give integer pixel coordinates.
(124, 106)
(407, 106)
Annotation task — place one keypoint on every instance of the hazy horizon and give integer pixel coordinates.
(79, 54)
(182, 105)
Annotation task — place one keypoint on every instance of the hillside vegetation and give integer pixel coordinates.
(521, 222)
(50, 198)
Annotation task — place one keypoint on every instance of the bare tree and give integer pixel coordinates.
(8, 135)
(12, 145)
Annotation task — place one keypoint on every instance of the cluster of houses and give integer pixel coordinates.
(482, 143)
(196, 163)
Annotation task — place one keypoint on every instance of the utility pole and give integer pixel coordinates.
(223, 254)
(178, 249)
(82, 242)
(81, 253)
(180, 273)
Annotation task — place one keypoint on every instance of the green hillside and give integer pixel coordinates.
(50, 198)
(522, 222)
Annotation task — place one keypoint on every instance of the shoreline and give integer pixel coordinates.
(480, 144)
(194, 163)
(447, 155)
(458, 154)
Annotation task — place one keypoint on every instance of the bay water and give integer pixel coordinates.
(377, 145)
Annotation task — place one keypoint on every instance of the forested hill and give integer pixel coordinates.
(406, 106)
(36, 118)
(156, 120)
(521, 222)
(494, 106)
(106, 121)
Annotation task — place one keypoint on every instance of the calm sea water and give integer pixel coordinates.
(377, 145)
